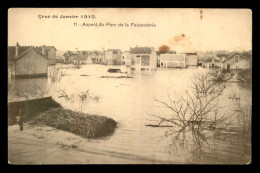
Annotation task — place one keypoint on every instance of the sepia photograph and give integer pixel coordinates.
(129, 86)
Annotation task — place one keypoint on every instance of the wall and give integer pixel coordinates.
(117, 58)
(31, 63)
(192, 60)
(141, 63)
(128, 60)
(172, 60)
(52, 56)
(108, 56)
(241, 64)
(11, 66)
(153, 64)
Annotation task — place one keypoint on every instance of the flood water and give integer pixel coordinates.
(131, 102)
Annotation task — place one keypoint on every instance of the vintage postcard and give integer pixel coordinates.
(129, 86)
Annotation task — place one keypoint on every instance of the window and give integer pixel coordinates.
(145, 60)
(138, 59)
(236, 58)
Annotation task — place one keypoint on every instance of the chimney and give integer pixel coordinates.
(17, 49)
(43, 49)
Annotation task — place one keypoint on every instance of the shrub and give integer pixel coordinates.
(85, 125)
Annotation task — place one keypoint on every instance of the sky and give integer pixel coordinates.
(183, 30)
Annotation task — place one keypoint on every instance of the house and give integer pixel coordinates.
(27, 61)
(80, 58)
(108, 60)
(173, 60)
(50, 52)
(100, 58)
(113, 57)
(159, 53)
(143, 58)
(126, 58)
(92, 57)
(68, 56)
(191, 59)
(236, 61)
(212, 63)
(95, 56)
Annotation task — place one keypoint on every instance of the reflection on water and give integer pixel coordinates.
(30, 88)
(131, 102)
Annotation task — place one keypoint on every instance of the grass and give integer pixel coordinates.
(85, 125)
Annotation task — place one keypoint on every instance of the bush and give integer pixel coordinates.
(55, 74)
(85, 125)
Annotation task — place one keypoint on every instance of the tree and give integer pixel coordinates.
(198, 107)
(68, 55)
(55, 73)
(198, 114)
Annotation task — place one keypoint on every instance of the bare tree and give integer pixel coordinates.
(55, 73)
(199, 105)
(198, 112)
(86, 96)
(83, 96)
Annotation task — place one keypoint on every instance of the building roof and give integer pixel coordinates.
(47, 48)
(22, 51)
(167, 52)
(11, 51)
(191, 53)
(141, 50)
(115, 51)
(126, 52)
(236, 53)
(80, 57)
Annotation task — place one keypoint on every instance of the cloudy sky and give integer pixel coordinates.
(180, 29)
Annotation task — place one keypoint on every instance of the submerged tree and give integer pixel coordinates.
(55, 73)
(199, 102)
(198, 111)
(82, 97)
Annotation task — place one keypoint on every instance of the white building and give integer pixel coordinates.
(173, 61)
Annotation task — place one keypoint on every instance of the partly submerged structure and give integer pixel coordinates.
(27, 61)
(173, 60)
(143, 58)
(191, 59)
(236, 61)
(212, 63)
